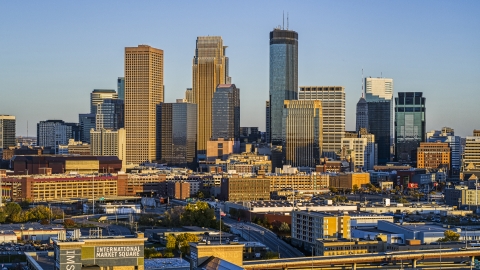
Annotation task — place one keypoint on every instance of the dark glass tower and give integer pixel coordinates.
(226, 112)
(283, 77)
(177, 134)
(409, 125)
(362, 114)
(110, 114)
(379, 123)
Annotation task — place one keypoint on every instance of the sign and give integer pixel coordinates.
(119, 251)
(70, 259)
(412, 185)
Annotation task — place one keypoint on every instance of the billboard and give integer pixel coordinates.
(412, 185)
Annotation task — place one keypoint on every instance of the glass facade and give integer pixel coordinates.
(177, 134)
(409, 125)
(87, 122)
(283, 77)
(362, 115)
(110, 114)
(226, 112)
(379, 124)
(7, 131)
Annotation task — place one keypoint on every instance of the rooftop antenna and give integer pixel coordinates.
(287, 20)
(362, 83)
(283, 21)
(27, 129)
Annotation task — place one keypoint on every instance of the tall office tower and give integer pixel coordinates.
(409, 125)
(110, 114)
(87, 122)
(109, 143)
(333, 114)
(209, 70)
(371, 150)
(446, 135)
(268, 138)
(379, 94)
(189, 95)
(302, 130)
(362, 114)
(121, 88)
(177, 134)
(283, 77)
(52, 133)
(356, 149)
(226, 112)
(143, 91)
(471, 155)
(97, 97)
(7, 131)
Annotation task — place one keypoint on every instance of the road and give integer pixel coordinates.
(254, 232)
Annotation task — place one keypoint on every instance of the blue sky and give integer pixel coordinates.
(54, 53)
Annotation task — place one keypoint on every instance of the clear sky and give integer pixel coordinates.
(54, 53)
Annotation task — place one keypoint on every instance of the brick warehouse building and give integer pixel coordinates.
(49, 188)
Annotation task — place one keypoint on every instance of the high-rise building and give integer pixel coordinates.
(226, 112)
(97, 97)
(210, 68)
(143, 91)
(362, 114)
(409, 125)
(110, 114)
(189, 95)
(7, 131)
(121, 88)
(283, 77)
(52, 133)
(447, 135)
(302, 130)
(106, 142)
(177, 134)
(379, 94)
(87, 122)
(333, 114)
(371, 150)
(433, 156)
(268, 128)
(471, 156)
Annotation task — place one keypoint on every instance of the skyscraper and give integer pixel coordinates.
(86, 122)
(121, 88)
(110, 114)
(52, 133)
(302, 130)
(177, 133)
(409, 125)
(106, 142)
(362, 114)
(7, 131)
(226, 112)
(283, 77)
(143, 91)
(210, 68)
(333, 114)
(379, 94)
(98, 95)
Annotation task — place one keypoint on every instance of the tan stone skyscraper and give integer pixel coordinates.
(143, 91)
(210, 68)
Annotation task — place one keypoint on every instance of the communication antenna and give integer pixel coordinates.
(363, 81)
(283, 21)
(287, 20)
(27, 129)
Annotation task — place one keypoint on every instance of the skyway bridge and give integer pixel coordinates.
(386, 257)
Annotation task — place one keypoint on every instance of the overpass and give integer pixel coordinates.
(386, 257)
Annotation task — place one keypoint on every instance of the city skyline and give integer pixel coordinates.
(69, 50)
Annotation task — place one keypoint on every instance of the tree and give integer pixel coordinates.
(449, 236)
(148, 219)
(355, 188)
(171, 242)
(333, 189)
(198, 214)
(200, 195)
(11, 209)
(68, 223)
(151, 253)
(402, 200)
(284, 228)
(183, 241)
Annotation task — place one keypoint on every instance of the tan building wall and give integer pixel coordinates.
(109, 143)
(245, 189)
(332, 248)
(348, 180)
(209, 70)
(219, 149)
(200, 252)
(143, 91)
(433, 155)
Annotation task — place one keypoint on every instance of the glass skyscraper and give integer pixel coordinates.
(379, 95)
(409, 125)
(226, 112)
(283, 77)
